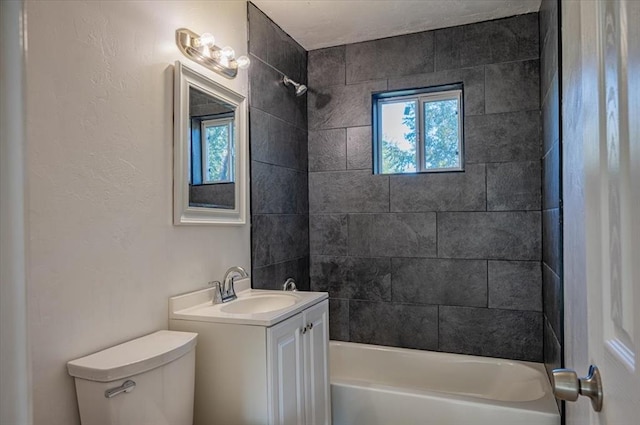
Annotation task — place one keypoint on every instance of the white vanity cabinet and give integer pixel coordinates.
(261, 374)
(297, 368)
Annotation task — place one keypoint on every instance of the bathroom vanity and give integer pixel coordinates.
(262, 358)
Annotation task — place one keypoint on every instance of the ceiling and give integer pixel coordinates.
(323, 23)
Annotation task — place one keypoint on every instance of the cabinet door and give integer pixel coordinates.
(286, 372)
(316, 346)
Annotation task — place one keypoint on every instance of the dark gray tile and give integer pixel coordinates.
(553, 358)
(327, 67)
(471, 78)
(551, 117)
(398, 325)
(490, 332)
(274, 275)
(338, 319)
(359, 148)
(274, 141)
(275, 47)
(549, 44)
(513, 186)
(455, 191)
(437, 281)
(260, 28)
(278, 238)
(548, 66)
(302, 194)
(390, 57)
(548, 17)
(348, 191)
(278, 190)
(551, 178)
(286, 55)
(553, 299)
(287, 145)
(328, 234)
(512, 87)
(213, 194)
(342, 106)
(501, 40)
(502, 137)
(368, 279)
(267, 93)
(327, 273)
(259, 134)
(515, 285)
(353, 278)
(552, 239)
(392, 235)
(552, 349)
(490, 235)
(328, 150)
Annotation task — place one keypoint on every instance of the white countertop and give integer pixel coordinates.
(198, 306)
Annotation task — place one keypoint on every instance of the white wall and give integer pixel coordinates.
(103, 254)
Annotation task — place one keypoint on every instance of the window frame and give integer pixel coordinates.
(420, 96)
(217, 122)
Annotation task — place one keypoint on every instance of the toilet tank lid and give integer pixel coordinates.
(133, 357)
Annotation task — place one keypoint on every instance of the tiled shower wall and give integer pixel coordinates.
(278, 144)
(551, 185)
(441, 261)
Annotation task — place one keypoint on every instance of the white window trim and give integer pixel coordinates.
(420, 99)
(217, 122)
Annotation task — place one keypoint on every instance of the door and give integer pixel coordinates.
(316, 346)
(601, 191)
(285, 370)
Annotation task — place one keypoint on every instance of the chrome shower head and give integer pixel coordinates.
(300, 88)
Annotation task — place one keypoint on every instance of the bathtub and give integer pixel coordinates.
(374, 385)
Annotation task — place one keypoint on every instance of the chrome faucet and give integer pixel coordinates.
(227, 290)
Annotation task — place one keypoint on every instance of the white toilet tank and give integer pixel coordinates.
(146, 381)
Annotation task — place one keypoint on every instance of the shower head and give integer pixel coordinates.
(300, 88)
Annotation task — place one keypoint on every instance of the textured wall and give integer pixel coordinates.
(446, 261)
(103, 254)
(551, 185)
(279, 190)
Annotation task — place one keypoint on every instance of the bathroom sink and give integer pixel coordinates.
(259, 304)
(252, 307)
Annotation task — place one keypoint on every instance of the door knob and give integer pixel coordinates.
(567, 386)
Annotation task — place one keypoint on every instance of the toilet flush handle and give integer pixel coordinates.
(126, 387)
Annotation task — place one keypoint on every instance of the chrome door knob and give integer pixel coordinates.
(567, 386)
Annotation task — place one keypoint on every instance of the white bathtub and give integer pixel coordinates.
(373, 385)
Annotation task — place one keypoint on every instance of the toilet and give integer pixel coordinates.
(146, 381)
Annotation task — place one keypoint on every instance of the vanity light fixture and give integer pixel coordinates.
(202, 49)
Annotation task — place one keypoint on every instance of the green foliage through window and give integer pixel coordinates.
(441, 134)
(219, 153)
(399, 128)
(398, 137)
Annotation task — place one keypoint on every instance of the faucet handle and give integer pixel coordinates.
(229, 292)
(217, 291)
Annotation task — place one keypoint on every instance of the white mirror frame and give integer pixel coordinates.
(183, 213)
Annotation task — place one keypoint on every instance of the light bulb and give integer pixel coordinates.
(228, 52)
(243, 62)
(206, 39)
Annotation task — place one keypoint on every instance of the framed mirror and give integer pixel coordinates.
(210, 151)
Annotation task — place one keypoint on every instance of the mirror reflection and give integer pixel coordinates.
(212, 151)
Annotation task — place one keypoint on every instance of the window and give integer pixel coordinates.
(418, 131)
(217, 150)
